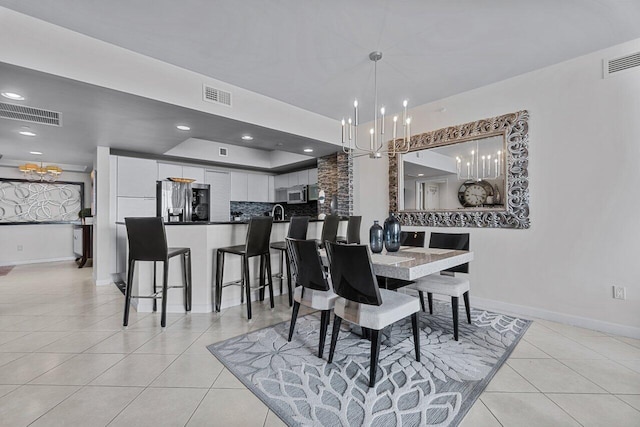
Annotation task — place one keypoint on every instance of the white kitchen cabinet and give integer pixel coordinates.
(220, 183)
(193, 173)
(136, 177)
(293, 179)
(134, 207)
(169, 170)
(258, 188)
(313, 176)
(303, 177)
(271, 197)
(239, 187)
(282, 180)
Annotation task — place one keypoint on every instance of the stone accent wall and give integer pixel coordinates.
(335, 177)
(250, 209)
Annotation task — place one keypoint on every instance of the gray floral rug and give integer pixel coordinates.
(304, 390)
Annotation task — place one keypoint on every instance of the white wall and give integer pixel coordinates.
(584, 180)
(39, 242)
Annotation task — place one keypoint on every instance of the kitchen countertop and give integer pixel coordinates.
(344, 218)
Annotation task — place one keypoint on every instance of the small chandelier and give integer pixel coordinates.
(377, 133)
(33, 172)
(480, 165)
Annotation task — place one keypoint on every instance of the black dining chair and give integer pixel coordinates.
(148, 242)
(298, 226)
(256, 244)
(353, 231)
(329, 229)
(412, 238)
(446, 282)
(315, 291)
(363, 303)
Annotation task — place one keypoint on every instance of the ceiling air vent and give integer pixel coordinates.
(30, 114)
(618, 65)
(223, 152)
(216, 96)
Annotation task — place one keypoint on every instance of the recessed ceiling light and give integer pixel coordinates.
(13, 96)
(27, 133)
(183, 127)
(420, 174)
(308, 150)
(37, 153)
(247, 138)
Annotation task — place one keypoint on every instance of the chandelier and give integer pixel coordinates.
(33, 172)
(480, 166)
(377, 146)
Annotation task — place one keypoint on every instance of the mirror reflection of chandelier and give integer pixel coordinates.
(33, 172)
(377, 133)
(480, 165)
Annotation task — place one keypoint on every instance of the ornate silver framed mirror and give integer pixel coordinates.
(471, 175)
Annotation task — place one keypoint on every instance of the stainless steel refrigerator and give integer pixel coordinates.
(182, 202)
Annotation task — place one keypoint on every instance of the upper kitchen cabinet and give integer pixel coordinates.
(220, 196)
(313, 176)
(303, 177)
(272, 189)
(258, 188)
(282, 181)
(293, 179)
(239, 187)
(170, 170)
(136, 177)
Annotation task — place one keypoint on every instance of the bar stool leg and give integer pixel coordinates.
(281, 271)
(261, 275)
(184, 280)
(268, 261)
(165, 285)
(189, 281)
(290, 285)
(247, 282)
(155, 289)
(219, 275)
(127, 293)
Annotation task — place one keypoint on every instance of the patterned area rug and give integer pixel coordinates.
(6, 269)
(305, 390)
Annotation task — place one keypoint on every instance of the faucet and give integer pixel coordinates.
(273, 212)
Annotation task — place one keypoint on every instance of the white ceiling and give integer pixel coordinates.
(314, 55)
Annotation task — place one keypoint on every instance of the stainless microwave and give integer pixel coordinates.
(297, 194)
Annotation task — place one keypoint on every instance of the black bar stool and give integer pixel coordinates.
(329, 229)
(256, 244)
(148, 242)
(297, 230)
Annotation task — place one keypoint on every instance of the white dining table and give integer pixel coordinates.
(411, 263)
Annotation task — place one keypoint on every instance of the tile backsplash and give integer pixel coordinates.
(250, 209)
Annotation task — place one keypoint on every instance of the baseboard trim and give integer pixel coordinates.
(554, 316)
(36, 261)
(103, 282)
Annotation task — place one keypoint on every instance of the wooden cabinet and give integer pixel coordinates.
(303, 177)
(193, 173)
(258, 188)
(293, 179)
(313, 176)
(220, 183)
(136, 177)
(239, 186)
(271, 197)
(282, 181)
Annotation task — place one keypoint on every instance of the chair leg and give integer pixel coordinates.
(324, 325)
(281, 272)
(127, 293)
(247, 285)
(155, 289)
(334, 336)
(219, 277)
(467, 307)
(422, 307)
(289, 284)
(270, 278)
(454, 308)
(184, 280)
(261, 275)
(416, 335)
(430, 301)
(165, 286)
(375, 353)
(294, 317)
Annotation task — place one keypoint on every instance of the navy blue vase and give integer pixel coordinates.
(392, 233)
(376, 238)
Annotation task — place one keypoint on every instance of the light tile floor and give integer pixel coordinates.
(66, 360)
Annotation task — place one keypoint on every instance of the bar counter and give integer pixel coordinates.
(204, 239)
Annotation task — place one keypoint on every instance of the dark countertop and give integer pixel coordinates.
(233, 222)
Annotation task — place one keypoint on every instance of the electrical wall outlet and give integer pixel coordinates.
(19, 248)
(619, 292)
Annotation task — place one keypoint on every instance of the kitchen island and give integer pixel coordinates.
(204, 238)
